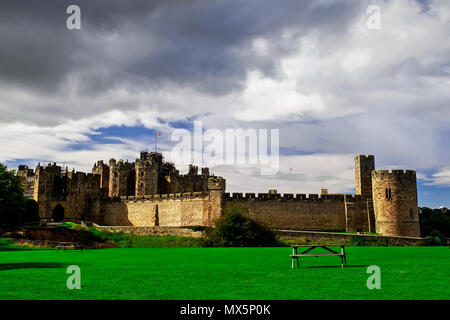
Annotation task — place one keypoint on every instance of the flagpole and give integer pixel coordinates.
(156, 142)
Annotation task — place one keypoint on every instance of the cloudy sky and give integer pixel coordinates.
(312, 69)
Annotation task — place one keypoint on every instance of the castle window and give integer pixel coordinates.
(142, 173)
(388, 194)
(142, 185)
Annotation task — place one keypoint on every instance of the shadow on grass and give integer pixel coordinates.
(11, 248)
(339, 266)
(31, 265)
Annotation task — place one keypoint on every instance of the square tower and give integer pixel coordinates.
(364, 165)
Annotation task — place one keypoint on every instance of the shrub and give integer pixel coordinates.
(236, 229)
(435, 238)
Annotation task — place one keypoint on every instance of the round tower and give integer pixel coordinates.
(395, 203)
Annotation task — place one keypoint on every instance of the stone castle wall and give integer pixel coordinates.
(153, 231)
(169, 210)
(332, 237)
(312, 212)
(150, 192)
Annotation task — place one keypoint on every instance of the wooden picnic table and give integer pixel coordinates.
(296, 255)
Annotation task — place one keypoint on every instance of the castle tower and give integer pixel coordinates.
(122, 178)
(27, 180)
(103, 170)
(216, 189)
(146, 175)
(364, 165)
(395, 202)
(47, 185)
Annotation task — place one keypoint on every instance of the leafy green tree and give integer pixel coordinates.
(12, 200)
(236, 229)
(434, 220)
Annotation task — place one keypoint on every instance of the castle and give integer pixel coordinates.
(151, 192)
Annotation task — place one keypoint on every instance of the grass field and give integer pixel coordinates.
(224, 273)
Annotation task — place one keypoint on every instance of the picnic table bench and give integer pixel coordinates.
(69, 245)
(295, 255)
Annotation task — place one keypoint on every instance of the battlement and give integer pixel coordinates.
(121, 164)
(363, 156)
(193, 170)
(159, 197)
(393, 172)
(99, 164)
(154, 157)
(353, 198)
(216, 183)
(89, 179)
(50, 168)
(24, 171)
(287, 197)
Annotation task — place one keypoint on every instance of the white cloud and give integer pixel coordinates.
(297, 174)
(441, 178)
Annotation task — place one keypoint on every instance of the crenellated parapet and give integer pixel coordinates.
(216, 183)
(160, 197)
(390, 174)
(250, 196)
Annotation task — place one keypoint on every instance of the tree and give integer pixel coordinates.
(236, 229)
(437, 220)
(12, 200)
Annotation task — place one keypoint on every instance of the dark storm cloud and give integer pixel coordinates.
(200, 44)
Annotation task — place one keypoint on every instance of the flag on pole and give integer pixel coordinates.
(156, 140)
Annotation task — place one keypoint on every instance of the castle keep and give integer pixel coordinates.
(151, 192)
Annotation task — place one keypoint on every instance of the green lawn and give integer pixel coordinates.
(224, 273)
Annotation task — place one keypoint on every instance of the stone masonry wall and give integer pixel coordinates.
(174, 210)
(153, 231)
(287, 212)
(331, 237)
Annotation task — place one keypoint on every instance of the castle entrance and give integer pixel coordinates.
(58, 213)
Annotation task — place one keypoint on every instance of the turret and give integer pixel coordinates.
(146, 176)
(364, 165)
(395, 202)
